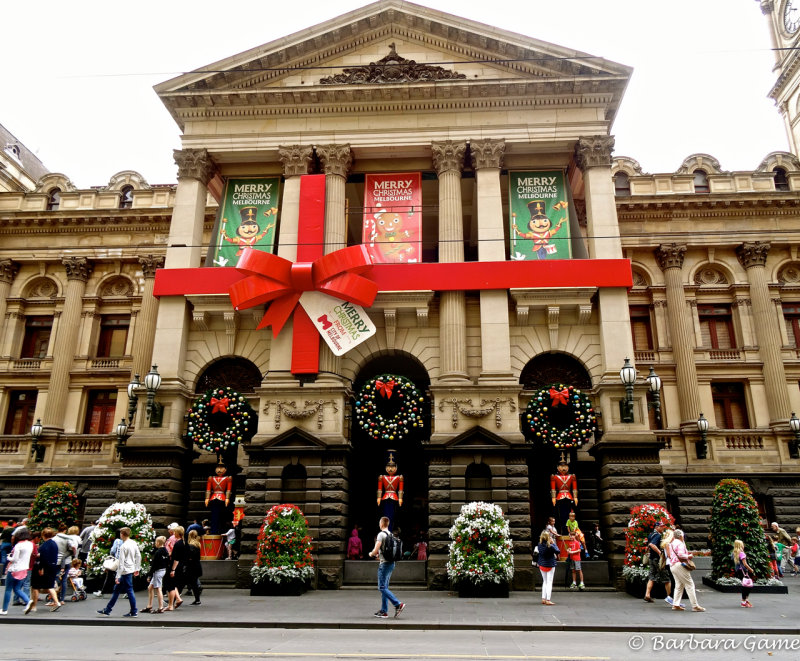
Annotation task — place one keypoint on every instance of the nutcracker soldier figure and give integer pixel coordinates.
(218, 496)
(564, 494)
(390, 490)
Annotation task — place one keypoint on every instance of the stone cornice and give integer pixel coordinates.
(679, 207)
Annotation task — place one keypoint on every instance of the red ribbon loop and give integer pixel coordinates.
(559, 396)
(219, 405)
(275, 279)
(385, 388)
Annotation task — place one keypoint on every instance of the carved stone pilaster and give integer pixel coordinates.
(335, 159)
(448, 155)
(752, 254)
(487, 153)
(296, 160)
(670, 256)
(194, 164)
(150, 263)
(8, 270)
(594, 151)
(78, 268)
(390, 323)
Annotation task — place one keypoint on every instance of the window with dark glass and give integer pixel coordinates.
(293, 483)
(716, 326)
(37, 337)
(126, 197)
(54, 199)
(701, 181)
(100, 412)
(730, 405)
(781, 180)
(478, 482)
(113, 336)
(21, 405)
(622, 184)
(641, 329)
(791, 317)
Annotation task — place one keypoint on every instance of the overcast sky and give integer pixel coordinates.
(76, 79)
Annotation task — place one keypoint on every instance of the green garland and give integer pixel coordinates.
(371, 414)
(546, 402)
(223, 406)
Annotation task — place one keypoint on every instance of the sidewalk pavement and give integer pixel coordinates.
(434, 610)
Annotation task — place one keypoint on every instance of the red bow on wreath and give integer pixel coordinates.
(559, 396)
(385, 388)
(219, 405)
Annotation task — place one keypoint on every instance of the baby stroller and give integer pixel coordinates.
(78, 594)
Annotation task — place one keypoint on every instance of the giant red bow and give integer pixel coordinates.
(559, 396)
(385, 388)
(219, 405)
(273, 278)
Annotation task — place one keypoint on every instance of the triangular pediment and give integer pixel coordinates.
(294, 439)
(478, 438)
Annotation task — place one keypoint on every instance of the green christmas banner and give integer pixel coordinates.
(538, 215)
(248, 215)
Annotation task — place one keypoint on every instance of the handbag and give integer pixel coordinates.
(111, 564)
(747, 582)
(689, 564)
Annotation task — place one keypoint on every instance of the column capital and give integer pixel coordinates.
(448, 155)
(752, 254)
(8, 270)
(670, 255)
(149, 265)
(296, 159)
(78, 268)
(194, 164)
(594, 151)
(487, 153)
(767, 6)
(335, 159)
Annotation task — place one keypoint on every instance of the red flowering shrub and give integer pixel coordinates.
(283, 553)
(643, 522)
(54, 503)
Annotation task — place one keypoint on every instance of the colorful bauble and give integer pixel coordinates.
(374, 405)
(581, 422)
(219, 420)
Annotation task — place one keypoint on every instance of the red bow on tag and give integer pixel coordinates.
(559, 396)
(273, 278)
(385, 388)
(219, 405)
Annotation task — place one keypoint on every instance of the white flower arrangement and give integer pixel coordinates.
(481, 550)
(116, 516)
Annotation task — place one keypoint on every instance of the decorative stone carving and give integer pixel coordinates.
(118, 287)
(708, 275)
(448, 155)
(487, 153)
(78, 268)
(752, 254)
(296, 160)
(290, 410)
(460, 406)
(8, 270)
(594, 151)
(789, 274)
(150, 263)
(670, 256)
(335, 159)
(391, 69)
(767, 6)
(194, 164)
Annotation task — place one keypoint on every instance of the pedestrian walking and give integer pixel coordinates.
(130, 562)
(45, 569)
(743, 571)
(785, 540)
(173, 579)
(108, 574)
(385, 569)
(659, 570)
(679, 558)
(158, 567)
(548, 557)
(194, 570)
(17, 569)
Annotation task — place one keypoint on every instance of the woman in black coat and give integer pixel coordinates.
(194, 569)
(173, 580)
(45, 569)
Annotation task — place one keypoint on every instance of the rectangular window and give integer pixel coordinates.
(113, 336)
(37, 337)
(716, 326)
(791, 317)
(100, 412)
(730, 405)
(21, 405)
(641, 329)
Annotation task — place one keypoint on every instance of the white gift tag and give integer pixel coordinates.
(342, 325)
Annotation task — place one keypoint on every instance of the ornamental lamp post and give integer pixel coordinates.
(122, 435)
(654, 383)
(37, 451)
(794, 444)
(133, 398)
(702, 444)
(628, 377)
(155, 411)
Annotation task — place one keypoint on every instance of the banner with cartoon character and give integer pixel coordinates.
(248, 215)
(538, 215)
(392, 228)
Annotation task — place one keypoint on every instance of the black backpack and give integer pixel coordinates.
(391, 548)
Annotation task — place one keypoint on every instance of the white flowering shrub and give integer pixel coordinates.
(481, 550)
(116, 516)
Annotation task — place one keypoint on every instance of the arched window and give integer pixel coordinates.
(54, 199)
(781, 180)
(126, 197)
(622, 184)
(701, 181)
(293, 484)
(478, 482)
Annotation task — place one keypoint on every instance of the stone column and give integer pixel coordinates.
(670, 259)
(753, 257)
(487, 159)
(448, 160)
(145, 330)
(78, 272)
(8, 271)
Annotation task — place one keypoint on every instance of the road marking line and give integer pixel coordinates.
(390, 655)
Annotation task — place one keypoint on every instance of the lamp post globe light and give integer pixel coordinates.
(122, 435)
(702, 444)
(133, 397)
(628, 377)
(152, 381)
(37, 451)
(654, 383)
(794, 444)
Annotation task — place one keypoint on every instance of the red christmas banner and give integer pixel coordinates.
(392, 228)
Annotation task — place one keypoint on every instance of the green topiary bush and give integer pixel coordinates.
(54, 503)
(734, 515)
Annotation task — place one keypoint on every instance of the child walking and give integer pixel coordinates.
(158, 567)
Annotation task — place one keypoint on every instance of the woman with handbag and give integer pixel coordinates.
(110, 565)
(681, 566)
(743, 571)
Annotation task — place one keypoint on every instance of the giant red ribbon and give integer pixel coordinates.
(559, 396)
(219, 405)
(385, 388)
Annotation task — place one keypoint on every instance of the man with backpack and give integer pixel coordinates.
(388, 550)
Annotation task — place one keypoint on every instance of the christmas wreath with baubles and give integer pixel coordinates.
(389, 407)
(561, 416)
(219, 420)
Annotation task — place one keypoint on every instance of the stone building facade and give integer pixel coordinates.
(394, 87)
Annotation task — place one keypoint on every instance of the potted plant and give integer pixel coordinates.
(54, 503)
(635, 567)
(283, 564)
(116, 516)
(481, 560)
